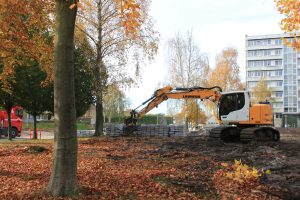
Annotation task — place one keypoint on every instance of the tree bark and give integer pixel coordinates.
(63, 181)
(100, 72)
(34, 128)
(8, 106)
(9, 124)
(99, 116)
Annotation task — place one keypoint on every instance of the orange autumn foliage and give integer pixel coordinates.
(192, 112)
(226, 74)
(130, 11)
(261, 92)
(291, 22)
(25, 27)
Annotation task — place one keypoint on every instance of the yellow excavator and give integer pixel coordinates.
(240, 119)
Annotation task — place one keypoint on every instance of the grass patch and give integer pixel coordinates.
(49, 126)
(8, 143)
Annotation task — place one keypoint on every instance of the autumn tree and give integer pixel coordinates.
(192, 113)
(121, 32)
(261, 92)
(226, 73)
(291, 22)
(187, 65)
(113, 102)
(23, 37)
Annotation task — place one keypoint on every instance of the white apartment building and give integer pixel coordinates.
(268, 58)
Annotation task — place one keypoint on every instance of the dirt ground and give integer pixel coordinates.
(157, 168)
(282, 158)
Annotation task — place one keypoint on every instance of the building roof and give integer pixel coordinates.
(270, 36)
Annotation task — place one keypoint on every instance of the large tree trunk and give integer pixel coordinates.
(34, 128)
(101, 76)
(9, 124)
(8, 106)
(99, 117)
(63, 181)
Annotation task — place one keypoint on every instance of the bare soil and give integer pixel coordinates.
(282, 158)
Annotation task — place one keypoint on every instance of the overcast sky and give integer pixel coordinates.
(216, 24)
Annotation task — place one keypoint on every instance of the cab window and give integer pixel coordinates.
(19, 113)
(231, 102)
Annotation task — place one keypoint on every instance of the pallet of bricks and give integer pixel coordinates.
(114, 130)
(161, 130)
(177, 130)
(153, 130)
(148, 130)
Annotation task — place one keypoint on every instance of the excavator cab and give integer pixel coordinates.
(234, 107)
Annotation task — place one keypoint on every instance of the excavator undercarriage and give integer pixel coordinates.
(234, 133)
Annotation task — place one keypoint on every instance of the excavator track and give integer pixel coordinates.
(232, 133)
(247, 134)
(225, 133)
(215, 133)
(259, 134)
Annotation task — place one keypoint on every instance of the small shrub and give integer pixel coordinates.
(243, 173)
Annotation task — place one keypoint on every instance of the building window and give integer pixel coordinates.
(255, 74)
(266, 42)
(267, 63)
(278, 41)
(278, 73)
(278, 62)
(267, 52)
(278, 52)
(278, 83)
(252, 84)
(278, 115)
(264, 63)
(278, 94)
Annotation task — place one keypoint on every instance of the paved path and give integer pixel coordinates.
(48, 135)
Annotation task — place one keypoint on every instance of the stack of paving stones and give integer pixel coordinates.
(178, 130)
(113, 129)
(85, 133)
(149, 130)
(153, 130)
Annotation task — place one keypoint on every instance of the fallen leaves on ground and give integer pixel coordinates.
(124, 168)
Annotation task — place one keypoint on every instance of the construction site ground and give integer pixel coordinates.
(136, 167)
(281, 158)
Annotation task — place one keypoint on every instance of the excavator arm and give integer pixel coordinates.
(165, 93)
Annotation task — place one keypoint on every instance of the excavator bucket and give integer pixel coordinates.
(130, 124)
